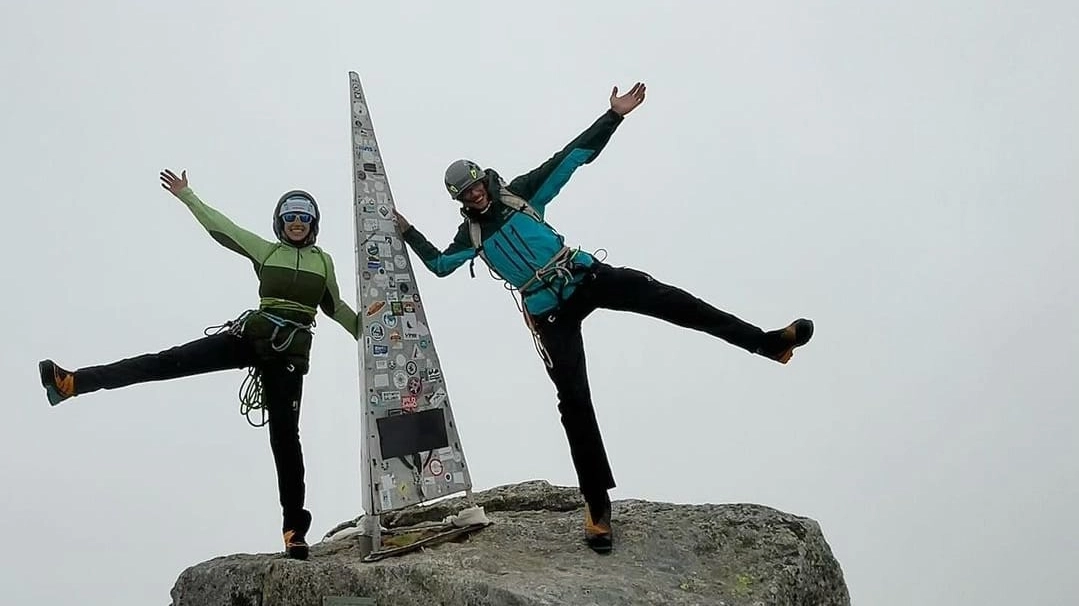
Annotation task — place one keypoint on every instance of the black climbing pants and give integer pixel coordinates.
(622, 289)
(282, 385)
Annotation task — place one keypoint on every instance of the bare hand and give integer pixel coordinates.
(627, 102)
(402, 222)
(172, 183)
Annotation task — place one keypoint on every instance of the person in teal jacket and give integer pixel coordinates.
(296, 278)
(503, 223)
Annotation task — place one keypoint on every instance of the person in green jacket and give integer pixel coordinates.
(296, 278)
(504, 224)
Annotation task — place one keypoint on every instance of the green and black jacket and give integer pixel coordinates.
(293, 282)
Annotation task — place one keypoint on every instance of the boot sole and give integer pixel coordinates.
(45, 369)
(803, 332)
(601, 545)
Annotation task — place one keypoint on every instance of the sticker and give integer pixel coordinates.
(378, 332)
(400, 379)
(396, 307)
(438, 397)
(385, 212)
(401, 359)
(368, 205)
(373, 293)
(404, 290)
(382, 364)
(382, 380)
(396, 244)
(448, 478)
(390, 396)
(433, 374)
(388, 318)
(380, 350)
(399, 261)
(436, 467)
(395, 339)
(458, 477)
(409, 308)
(414, 385)
(416, 297)
(370, 224)
(403, 489)
(403, 278)
(413, 324)
(372, 250)
(375, 265)
(366, 275)
(411, 367)
(393, 365)
(374, 400)
(382, 197)
(408, 403)
(387, 501)
(416, 352)
(424, 343)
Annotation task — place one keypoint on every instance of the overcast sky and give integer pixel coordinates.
(905, 175)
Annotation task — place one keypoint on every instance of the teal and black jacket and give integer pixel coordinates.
(515, 244)
(293, 282)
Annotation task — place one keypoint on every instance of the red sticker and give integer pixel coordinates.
(435, 466)
(408, 403)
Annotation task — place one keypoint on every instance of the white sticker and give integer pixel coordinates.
(400, 379)
(382, 364)
(458, 477)
(382, 380)
(438, 397)
(401, 361)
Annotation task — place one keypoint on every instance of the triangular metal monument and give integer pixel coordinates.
(410, 452)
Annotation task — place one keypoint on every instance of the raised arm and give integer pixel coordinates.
(333, 305)
(540, 185)
(441, 263)
(220, 227)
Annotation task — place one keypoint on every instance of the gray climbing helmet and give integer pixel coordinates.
(461, 175)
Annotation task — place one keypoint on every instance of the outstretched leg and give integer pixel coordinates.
(207, 354)
(282, 388)
(628, 289)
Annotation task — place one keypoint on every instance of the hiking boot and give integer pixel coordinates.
(779, 344)
(59, 384)
(597, 531)
(295, 545)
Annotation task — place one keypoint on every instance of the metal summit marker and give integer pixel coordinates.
(410, 450)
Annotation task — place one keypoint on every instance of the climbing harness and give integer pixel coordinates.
(250, 393)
